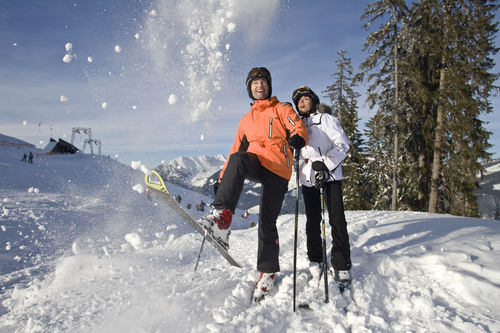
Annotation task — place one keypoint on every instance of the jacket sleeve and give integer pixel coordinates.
(235, 148)
(339, 142)
(292, 121)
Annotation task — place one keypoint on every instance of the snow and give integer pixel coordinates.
(89, 253)
(67, 58)
(172, 99)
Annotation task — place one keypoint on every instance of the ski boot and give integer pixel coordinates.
(343, 280)
(264, 286)
(217, 223)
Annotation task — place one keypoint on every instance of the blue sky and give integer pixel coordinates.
(168, 50)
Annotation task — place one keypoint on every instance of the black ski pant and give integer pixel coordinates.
(241, 166)
(341, 252)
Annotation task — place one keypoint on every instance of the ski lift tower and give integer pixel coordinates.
(97, 142)
(84, 130)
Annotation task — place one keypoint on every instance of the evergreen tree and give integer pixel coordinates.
(467, 30)
(444, 51)
(344, 103)
(382, 66)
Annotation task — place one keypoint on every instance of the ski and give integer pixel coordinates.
(157, 185)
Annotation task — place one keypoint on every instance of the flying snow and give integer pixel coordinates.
(231, 27)
(118, 49)
(68, 46)
(90, 59)
(172, 99)
(104, 105)
(63, 99)
(67, 58)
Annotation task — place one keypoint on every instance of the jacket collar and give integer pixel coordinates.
(262, 104)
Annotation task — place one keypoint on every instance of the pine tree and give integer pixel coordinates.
(344, 103)
(465, 84)
(382, 64)
(444, 80)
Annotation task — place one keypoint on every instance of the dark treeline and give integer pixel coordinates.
(428, 72)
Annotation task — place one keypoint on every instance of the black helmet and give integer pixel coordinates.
(257, 73)
(304, 91)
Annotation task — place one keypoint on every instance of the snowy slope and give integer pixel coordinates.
(83, 250)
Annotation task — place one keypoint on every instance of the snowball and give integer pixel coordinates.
(104, 105)
(67, 58)
(202, 137)
(25, 122)
(145, 170)
(153, 13)
(75, 248)
(134, 107)
(138, 188)
(63, 99)
(231, 27)
(136, 36)
(228, 46)
(3, 228)
(118, 49)
(135, 240)
(172, 99)
(68, 47)
(90, 59)
(135, 164)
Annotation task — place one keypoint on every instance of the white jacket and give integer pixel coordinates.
(327, 142)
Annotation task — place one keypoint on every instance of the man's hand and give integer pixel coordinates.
(296, 142)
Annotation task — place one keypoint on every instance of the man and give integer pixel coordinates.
(326, 149)
(260, 152)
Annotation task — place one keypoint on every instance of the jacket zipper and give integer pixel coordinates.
(286, 155)
(271, 128)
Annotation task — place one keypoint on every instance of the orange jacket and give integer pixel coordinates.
(263, 131)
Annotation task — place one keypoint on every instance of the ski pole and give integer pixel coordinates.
(199, 254)
(325, 262)
(296, 166)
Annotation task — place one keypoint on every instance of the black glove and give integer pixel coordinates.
(296, 142)
(320, 179)
(319, 166)
(216, 187)
(322, 173)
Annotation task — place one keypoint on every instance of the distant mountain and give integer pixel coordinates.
(199, 173)
(195, 173)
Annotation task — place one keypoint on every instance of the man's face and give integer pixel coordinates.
(305, 104)
(259, 88)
